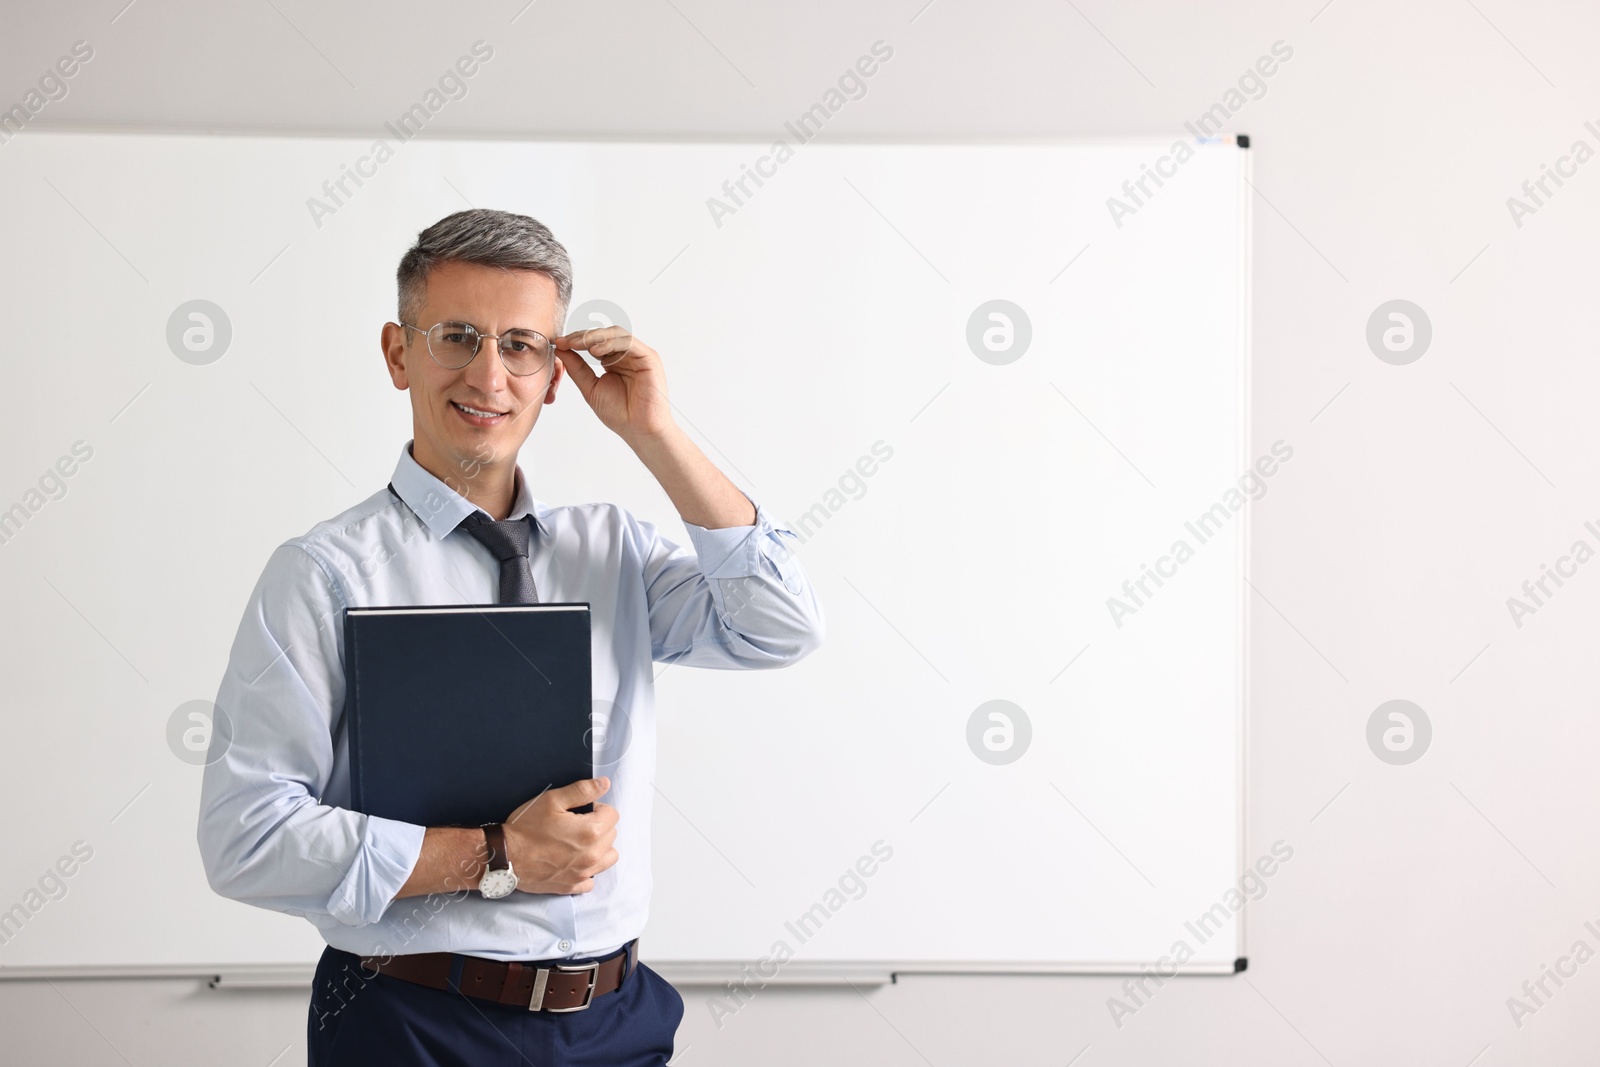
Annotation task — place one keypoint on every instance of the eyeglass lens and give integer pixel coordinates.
(453, 344)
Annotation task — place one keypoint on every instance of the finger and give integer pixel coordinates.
(580, 372)
(574, 340)
(582, 339)
(610, 351)
(579, 792)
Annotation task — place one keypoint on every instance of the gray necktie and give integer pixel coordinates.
(508, 541)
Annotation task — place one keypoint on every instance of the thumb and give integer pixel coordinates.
(580, 792)
(579, 371)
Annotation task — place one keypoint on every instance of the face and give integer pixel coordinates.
(450, 443)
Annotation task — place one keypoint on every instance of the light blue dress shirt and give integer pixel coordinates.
(275, 829)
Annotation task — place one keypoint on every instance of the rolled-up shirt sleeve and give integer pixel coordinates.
(737, 599)
(266, 838)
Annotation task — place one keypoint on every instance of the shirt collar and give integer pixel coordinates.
(441, 508)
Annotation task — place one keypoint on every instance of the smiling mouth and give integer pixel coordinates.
(478, 416)
(480, 413)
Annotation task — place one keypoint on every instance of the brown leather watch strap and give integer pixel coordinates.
(495, 835)
(538, 986)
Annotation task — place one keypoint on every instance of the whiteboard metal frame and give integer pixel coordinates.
(806, 973)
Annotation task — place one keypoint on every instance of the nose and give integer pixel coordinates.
(487, 372)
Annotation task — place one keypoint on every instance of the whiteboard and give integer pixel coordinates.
(968, 505)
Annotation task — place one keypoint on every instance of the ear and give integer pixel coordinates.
(393, 343)
(555, 380)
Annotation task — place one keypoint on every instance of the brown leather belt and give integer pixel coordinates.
(544, 985)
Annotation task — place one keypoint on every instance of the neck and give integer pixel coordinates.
(490, 487)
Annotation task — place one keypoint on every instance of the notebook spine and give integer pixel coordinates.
(352, 715)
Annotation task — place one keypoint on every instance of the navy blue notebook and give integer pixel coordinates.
(457, 714)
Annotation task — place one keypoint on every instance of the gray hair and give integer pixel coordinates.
(492, 239)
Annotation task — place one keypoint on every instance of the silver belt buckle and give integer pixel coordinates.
(542, 979)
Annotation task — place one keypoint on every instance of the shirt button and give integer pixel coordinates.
(564, 945)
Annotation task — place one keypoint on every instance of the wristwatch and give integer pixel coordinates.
(499, 880)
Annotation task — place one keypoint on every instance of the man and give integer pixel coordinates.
(429, 961)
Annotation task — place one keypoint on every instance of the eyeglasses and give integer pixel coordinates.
(454, 344)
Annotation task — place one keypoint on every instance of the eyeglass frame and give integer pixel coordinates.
(550, 345)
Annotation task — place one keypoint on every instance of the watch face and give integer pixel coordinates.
(496, 884)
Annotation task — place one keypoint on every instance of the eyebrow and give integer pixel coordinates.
(475, 326)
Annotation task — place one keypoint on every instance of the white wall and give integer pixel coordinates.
(1420, 498)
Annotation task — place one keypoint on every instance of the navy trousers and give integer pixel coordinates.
(359, 1019)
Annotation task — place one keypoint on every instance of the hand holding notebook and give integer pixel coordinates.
(552, 847)
(458, 715)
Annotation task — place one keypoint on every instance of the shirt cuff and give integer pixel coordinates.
(388, 853)
(737, 551)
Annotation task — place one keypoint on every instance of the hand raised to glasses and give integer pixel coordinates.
(630, 397)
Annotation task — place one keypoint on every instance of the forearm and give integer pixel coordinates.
(702, 494)
(452, 859)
